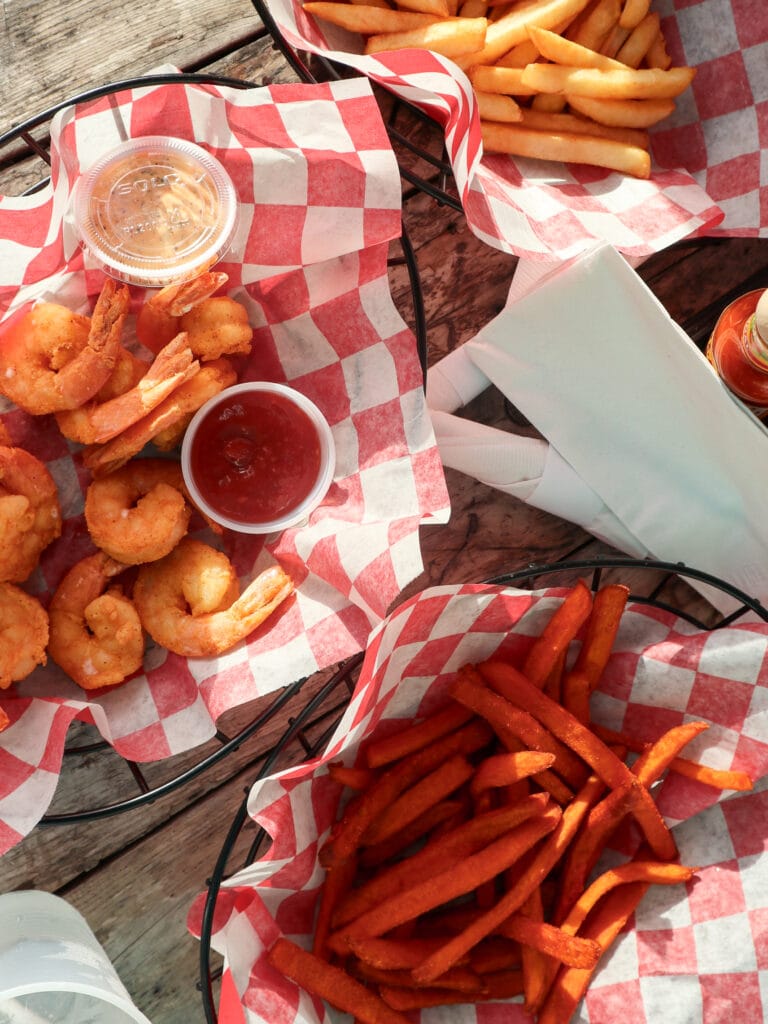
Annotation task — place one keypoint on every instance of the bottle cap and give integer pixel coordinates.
(761, 317)
(156, 210)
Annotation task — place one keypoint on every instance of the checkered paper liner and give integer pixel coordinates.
(708, 937)
(319, 198)
(710, 172)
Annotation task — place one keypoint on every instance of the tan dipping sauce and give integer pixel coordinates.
(156, 211)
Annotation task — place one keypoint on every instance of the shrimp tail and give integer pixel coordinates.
(263, 596)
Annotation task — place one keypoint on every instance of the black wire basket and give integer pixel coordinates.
(31, 138)
(663, 585)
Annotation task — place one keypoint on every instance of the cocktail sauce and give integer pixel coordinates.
(739, 353)
(255, 457)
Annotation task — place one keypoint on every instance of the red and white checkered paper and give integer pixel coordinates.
(319, 194)
(710, 173)
(694, 954)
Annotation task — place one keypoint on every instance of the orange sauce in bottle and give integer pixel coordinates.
(739, 352)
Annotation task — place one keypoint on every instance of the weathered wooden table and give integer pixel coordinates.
(134, 875)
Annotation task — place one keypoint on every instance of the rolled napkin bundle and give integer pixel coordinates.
(647, 448)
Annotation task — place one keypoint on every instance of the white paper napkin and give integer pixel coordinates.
(646, 448)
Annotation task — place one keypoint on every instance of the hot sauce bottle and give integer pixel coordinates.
(738, 349)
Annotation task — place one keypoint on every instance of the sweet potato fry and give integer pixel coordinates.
(415, 737)
(353, 778)
(465, 840)
(545, 859)
(458, 979)
(418, 799)
(514, 723)
(332, 984)
(605, 925)
(562, 627)
(370, 804)
(600, 633)
(380, 853)
(553, 941)
(394, 954)
(510, 683)
(338, 880)
(504, 769)
(502, 985)
(460, 878)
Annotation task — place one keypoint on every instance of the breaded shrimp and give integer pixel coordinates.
(218, 327)
(178, 408)
(30, 513)
(97, 422)
(158, 319)
(23, 634)
(52, 359)
(140, 512)
(162, 596)
(95, 631)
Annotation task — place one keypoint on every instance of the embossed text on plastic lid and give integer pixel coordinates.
(156, 210)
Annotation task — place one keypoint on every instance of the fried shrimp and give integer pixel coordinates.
(158, 319)
(30, 514)
(98, 422)
(175, 410)
(162, 596)
(140, 512)
(52, 359)
(218, 327)
(23, 634)
(95, 631)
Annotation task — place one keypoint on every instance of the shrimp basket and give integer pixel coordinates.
(128, 782)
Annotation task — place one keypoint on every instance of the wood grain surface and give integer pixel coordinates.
(134, 875)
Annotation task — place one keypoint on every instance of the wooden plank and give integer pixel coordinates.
(49, 55)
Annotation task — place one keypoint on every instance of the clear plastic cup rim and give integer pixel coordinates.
(327, 469)
(132, 1013)
(116, 240)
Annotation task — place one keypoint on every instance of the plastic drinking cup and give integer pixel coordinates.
(53, 969)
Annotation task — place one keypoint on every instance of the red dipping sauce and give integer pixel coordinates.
(255, 456)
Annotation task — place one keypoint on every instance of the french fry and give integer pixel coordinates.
(416, 736)
(551, 940)
(440, 8)
(504, 769)
(459, 879)
(566, 147)
(547, 856)
(565, 51)
(453, 37)
(502, 985)
(418, 799)
(493, 79)
(639, 41)
(458, 979)
(512, 29)
(368, 19)
(594, 28)
(353, 778)
(633, 12)
(657, 56)
(332, 984)
(524, 53)
(627, 84)
(513, 685)
(439, 814)
(473, 9)
(495, 107)
(562, 627)
(466, 839)
(393, 954)
(599, 637)
(637, 114)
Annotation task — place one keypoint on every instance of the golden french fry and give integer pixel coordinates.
(367, 19)
(560, 50)
(633, 12)
(452, 37)
(512, 29)
(623, 113)
(616, 39)
(639, 41)
(570, 148)
(657, 56)
(507, 81)
(542, 120)
(495, 107)
(440, 8)
(597, 25)
(631, 83)
(373, 3)
(549, 103)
